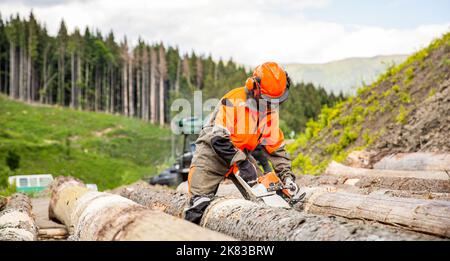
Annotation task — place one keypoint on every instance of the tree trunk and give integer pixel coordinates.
(86, 87)
(61, 78)
(130, 87)
(29, 76)
(337, 169)
(153, 61)
(177, 80)
(78, 83)
(428, 216)
(247, 220)
(12, 68)
(415, 161)
(16, 220)
(138, 91)
(145, 88)
(125, 88)
(111, 91)
(104, 216)
(97, 89)
(44, 94)
(21, 71)
(376, 183)
(162, 79)
(73, 80)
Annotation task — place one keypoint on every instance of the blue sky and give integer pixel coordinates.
(400, 14)
(254, 31)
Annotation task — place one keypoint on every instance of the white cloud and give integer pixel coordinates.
(248, 31)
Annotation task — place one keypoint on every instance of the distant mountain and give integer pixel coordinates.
(343, 75)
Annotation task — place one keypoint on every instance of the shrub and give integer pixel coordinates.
(405, 97)
(401, 117)
(336, 133)
(396, 88)
(13, 160)
(409, 74)
(387, 93)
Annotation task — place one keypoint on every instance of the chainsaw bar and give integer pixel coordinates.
(259, 193)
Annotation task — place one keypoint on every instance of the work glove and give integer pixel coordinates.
(290, 183)
(247, 171)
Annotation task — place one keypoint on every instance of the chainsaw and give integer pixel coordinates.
(268, 189)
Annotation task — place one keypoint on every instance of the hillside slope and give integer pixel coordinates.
(406, 109)
(98, 148)
(343, 75)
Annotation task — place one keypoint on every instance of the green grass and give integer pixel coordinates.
(99, 148)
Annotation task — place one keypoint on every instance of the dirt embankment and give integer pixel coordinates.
(427, 129)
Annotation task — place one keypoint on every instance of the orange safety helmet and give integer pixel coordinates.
(269, 82)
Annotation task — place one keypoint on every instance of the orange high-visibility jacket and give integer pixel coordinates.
(236, 128)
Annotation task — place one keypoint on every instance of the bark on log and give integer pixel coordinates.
(427, 216)
(414, 213)
(251, 221)
(337, 169)
(52, 233)
(102, 216)
(369, 184)
(415, 161)
(16, 221)
(3, 202)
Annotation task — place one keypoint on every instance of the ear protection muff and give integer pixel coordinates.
(253, 84)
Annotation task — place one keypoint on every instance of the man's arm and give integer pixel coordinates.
(282, 163)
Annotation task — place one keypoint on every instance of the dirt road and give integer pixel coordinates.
(48, 229)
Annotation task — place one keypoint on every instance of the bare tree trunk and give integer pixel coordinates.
(125, 90)
(162, 80)
(153, 61)
(177, 80)
(130, 87)
(44, 96)
(87, 87)
(29, 76)
(21, 69)
(145, 87)
(16, 220)
(97, 89)
(111, 91)
(78, 83)
(104, 216)
(138, 91)
(12, 68)
(73, 80)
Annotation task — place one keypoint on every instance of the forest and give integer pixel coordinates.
(87, 70)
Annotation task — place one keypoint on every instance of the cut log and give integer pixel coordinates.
(337, 169)
(91, 215)
(3, 202)
(415, 161)
(360, 159)
(416, 212)
(251, 221)
(16, 221)
(53, 232)
(412, 194)
(226, 189)
(369, 184)
(427, 216)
